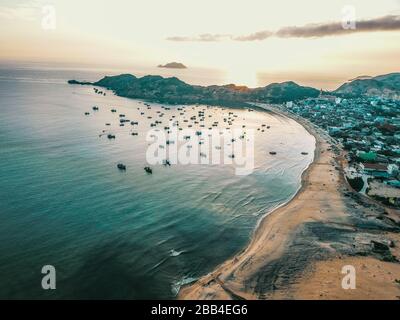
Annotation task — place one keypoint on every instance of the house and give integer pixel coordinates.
(380, 119)
(366, 156)
(393, 183)
(393, 169)
(375, 169)
(334, 130)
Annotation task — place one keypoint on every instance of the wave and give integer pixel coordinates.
(176, 285)
(174, 253)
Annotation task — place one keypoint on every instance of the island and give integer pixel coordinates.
(173, 65)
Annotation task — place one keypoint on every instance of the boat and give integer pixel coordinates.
(148, 170)
(121, 166)
(272, 152)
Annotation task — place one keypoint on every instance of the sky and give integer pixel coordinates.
(254, 42)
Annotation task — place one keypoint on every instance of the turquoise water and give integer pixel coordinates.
(112, 234)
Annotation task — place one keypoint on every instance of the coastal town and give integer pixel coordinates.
(368, 130)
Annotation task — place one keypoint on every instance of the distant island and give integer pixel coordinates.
(173, 65)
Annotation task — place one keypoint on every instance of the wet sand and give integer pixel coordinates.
(322, 227)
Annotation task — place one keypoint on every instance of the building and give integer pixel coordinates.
(366, 156)
(375, 169)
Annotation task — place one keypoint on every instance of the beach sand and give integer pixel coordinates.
(298, 250)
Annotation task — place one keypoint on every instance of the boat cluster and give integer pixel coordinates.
(182, 117)
(99, 91)
(122, 167)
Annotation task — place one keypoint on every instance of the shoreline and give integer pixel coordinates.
(291, 240)
(259, 230)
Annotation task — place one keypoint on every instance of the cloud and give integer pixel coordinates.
(205, 37)
(261, 35)
(385, 23)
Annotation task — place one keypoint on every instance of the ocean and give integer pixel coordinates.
(122, 235)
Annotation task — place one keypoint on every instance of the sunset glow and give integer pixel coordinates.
(138, 34)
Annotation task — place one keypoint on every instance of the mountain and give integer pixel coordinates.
(361, 78)
(285, 91)
(173, 65)
(114, 83)
(173, 90)
(387, 85)
(392, 79)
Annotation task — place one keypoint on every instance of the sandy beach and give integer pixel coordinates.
(298, 250)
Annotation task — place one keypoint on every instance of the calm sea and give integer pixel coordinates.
(113, 234)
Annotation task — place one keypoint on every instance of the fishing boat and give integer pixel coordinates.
(121, 167)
